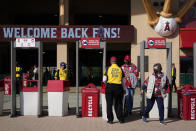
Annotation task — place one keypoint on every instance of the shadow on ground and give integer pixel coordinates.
(136, 114)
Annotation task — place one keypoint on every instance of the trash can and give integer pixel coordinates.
(104, 106)
(90, 101)
(154, 113)
(29, 97)
(7, 85)
(58, 94)
(187, 103)
(1, 96)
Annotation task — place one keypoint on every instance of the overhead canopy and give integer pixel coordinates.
(187, 37)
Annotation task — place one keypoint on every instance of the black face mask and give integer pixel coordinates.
(126, 62)
(156, 71)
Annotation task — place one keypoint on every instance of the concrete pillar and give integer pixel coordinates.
(62, 47)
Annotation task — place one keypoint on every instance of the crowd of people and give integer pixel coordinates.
(122, 81)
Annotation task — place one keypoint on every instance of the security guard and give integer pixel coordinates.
(18, 72)
(61, 74)
(18, 76)
(114, 90)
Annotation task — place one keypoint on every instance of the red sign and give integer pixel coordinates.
(156, 42)
(187, 37)
(90, 42)
(67, 33)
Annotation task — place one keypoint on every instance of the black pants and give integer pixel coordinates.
(114, 93)
(150, 103)
(17, 85)
(173, 83)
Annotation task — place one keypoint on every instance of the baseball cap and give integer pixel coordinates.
(113, 59)
(127, 58)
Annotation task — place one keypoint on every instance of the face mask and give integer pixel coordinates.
(156, 71)
(126, 62)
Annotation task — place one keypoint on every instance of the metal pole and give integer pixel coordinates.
(169, 75)
(142, 52)
(194, 59)
(40, 64)
(77, 79)
(104, 57)
(13, 80)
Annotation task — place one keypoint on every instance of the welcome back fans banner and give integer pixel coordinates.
(67, 33)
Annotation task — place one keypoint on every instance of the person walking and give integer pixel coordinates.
(173, 78)
(156, 85)
(130, 81)
(114, 91)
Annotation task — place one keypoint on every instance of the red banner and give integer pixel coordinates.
(67, 33)
(90, 42)
(156, 42)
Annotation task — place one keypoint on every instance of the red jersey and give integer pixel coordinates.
(127, 69)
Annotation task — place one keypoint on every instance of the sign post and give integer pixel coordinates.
(156, 43)
(25, 42)
(90, 43)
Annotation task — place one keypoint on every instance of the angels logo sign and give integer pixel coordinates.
(167, 23)
(166, 26)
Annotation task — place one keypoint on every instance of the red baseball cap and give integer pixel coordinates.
(127, 58)
(113, 59)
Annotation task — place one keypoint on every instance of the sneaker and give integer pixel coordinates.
(122, 121)
(144, 119)
(110, 122)
(162, 123)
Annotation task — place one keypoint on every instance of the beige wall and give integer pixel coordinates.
(62, 47)
(143, 31)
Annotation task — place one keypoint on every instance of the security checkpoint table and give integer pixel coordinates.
(58, 94)
(29, 103)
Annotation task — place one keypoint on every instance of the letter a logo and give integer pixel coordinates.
(167, 27)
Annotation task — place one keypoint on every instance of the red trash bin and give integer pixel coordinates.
(7, 85)
(187, 103)
(90, 101)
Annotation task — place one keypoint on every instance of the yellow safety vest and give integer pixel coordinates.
(18, 69)
(61, 74)
(114, 74)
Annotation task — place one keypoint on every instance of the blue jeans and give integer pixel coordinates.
(129, 99)
(160, 103)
